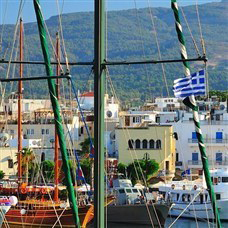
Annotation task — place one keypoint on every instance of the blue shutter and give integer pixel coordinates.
(218, 135)
(194, 135)
(195, 158)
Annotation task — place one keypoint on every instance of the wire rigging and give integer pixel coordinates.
(189, 29)
(21, 5)
(158, 47)
(3, 24)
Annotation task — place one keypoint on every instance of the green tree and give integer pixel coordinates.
(138, 170)
(2, 174)
(121, 168)
(86, 168)
(48, 170)
(85, 145)
(28, 158)
(222, 95)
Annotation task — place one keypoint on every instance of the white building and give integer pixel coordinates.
(28, 105)
(215, 135)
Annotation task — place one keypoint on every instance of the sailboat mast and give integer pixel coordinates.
(19, 117)
(190, 102)
(56, 159)
(99, 78)
(57, 111)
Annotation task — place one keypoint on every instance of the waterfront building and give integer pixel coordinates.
(157, 141)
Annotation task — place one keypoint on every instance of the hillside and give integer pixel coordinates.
(129, 41)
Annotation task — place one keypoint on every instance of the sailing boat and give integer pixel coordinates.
(38, 213)
(99, 170)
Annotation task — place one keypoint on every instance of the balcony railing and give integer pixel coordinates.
(211, 162)
(209, 140)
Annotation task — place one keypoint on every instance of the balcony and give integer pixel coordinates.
(198, 164)
(211, 142)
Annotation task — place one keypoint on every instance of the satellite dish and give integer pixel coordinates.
(222, 107)
(4, 137)
(52, 140)
(109, 113)
(112, 135)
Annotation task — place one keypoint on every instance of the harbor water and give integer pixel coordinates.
(180, 223)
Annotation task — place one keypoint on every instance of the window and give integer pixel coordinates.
(82, 130)
(121, 191)
(218, 157)
(42, 131)
(135, 190)
(144, 142)
(10, 163)
(131, 143)
(32, 131)
(219, 137)
(128, 190)
(136, 119)
(195, 158)
(151, 144)
(158, 119)
(47, 131)
(158, 144)
(28, 131)
(218, 196)
(137, 144)
(225, 179)
(177, 156)
(11, 131)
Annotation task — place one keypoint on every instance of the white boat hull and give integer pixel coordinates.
(200, 211)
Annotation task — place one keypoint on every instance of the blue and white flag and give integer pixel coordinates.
(187, 171)
(192, 85)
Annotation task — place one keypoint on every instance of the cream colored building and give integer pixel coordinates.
(157, 140)
(7, 161)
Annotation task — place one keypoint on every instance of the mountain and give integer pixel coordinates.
(131, 37)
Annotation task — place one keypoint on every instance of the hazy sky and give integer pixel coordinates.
(9, 8)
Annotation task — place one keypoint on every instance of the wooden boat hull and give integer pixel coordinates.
(138, 214)
(44, 217)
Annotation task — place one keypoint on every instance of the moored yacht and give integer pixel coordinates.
(193, 201)
(134, 205)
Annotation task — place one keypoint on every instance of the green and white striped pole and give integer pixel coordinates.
(191, 103)
(57, 113)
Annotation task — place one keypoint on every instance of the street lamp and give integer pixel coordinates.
(146, 157)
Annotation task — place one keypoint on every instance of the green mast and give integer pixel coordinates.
(191, 103)
(56, 110)
(99, 78)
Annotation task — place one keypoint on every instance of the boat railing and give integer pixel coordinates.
(208, 140)
(211, 162)
(179, 185)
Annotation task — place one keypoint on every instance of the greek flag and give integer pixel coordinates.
(191, 85)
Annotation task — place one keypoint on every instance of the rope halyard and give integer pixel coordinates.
(191, 103)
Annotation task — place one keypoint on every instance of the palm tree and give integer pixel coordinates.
(28, 157)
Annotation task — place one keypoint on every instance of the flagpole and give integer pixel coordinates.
(191, 102)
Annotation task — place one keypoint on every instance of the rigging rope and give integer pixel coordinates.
(158, 48)
(143, 46)
(189, 29)
(11, 54)
(61, 34)
(200, 30)
(82, 115)
(3, 25)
